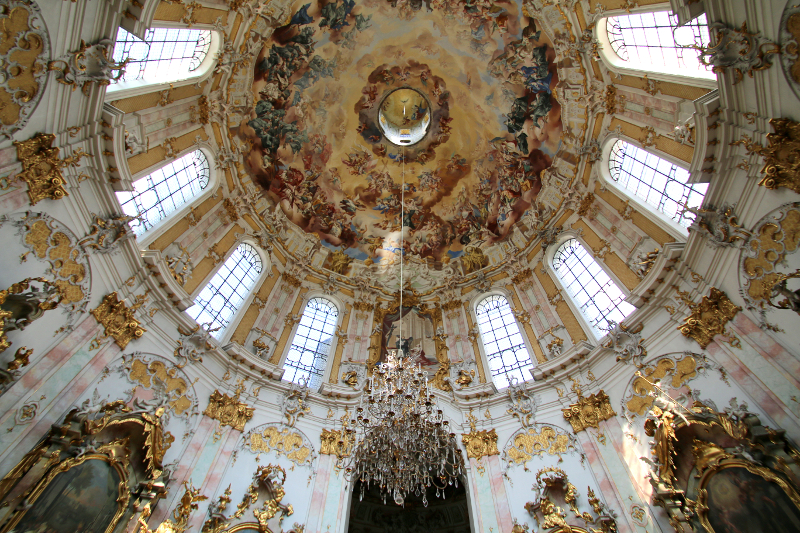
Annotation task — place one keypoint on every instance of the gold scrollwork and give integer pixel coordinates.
(709, 317)
(480, 443)
(118, 320)
(336, 442)
(228, 410)
(41, 167)
(285, 442)
(589, 411)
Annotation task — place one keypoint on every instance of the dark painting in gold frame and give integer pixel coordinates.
(86, 495)
(745, 498)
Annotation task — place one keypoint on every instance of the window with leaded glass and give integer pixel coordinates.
(218, 302)
(312, 340)
(654, 41)
(502, 341)
(163, 191)
(661, 184)
(595, 293)
(165, 54)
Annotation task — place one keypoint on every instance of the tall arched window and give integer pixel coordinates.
(502, 341)
(654, 41)
(658, 182)
(308, 353)
(221, 298)
(599, 298)
(163, 191)
(165, 55)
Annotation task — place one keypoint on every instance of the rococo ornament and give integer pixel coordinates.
(41, 167)
(589, 411)
(709, 317)
(228, 410)
(118, 320)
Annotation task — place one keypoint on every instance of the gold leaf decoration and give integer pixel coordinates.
(228, 410)
(41, 167)
(528, 443)
(23, 51)
(781, 156)
(175, 387)
(709, 317)
(480, 443)
(286, 442)
(589, 411)
(118, 320)
(332, 443)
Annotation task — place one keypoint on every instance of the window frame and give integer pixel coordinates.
(620, 67)
(675, 230)
(266, 269)
(158, 229)
(203, 72)
(342, 310)
(588, 329)
(476, 300)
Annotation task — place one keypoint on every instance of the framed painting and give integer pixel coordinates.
(743, 498)
(82, 495)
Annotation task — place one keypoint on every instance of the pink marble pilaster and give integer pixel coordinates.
(502, 510)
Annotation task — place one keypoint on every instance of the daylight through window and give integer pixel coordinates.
(163, 191)
(308, 353)
(599, 298)
(218, 302)
(653, 41)
(166, 54)
(502, 341)
(656, 181)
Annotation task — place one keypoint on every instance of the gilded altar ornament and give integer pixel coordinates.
(23, 55)
(119, 320)
(709, 317)
(228, 410)
(589, 411)
(269, 480)
(181, 513)
(41, 167)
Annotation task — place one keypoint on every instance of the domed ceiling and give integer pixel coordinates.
(482, 72)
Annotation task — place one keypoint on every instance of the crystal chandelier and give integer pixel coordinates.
(403, 443)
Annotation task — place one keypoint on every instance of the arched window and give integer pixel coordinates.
(165, 55)
(160, 193)
(654, 41)
(656, 181)
(598, 297)
(308, 353)
(221, 298)
(502, 341)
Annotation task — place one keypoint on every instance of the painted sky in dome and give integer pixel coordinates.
(486, 72)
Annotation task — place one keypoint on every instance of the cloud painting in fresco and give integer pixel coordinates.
(487, 73)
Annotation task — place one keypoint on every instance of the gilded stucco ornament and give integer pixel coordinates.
(23, 68)
(481, 443)
(711, 443)
(719, 225)
(626, 342)
(193, 344)
(41, 167)
(90, 64)
(228, 410)
(538, 440)
(107, 233)
(709, 318)
(589, 411)
(552, 485)
(281, 440)
(118, 319)
(335, 442)
(294, 402)
(763, 263)
(523, 403)
(22, 303)
(781, 155)
(737, 49)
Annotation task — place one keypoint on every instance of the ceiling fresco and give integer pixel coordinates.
(482, 72)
